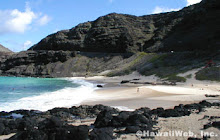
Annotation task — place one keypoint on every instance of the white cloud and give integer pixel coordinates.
(27, 44)
(44, 20)
(163, 9)
(15, 21)
(191, 2)
(159, 9)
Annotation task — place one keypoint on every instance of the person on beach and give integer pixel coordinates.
(137, 90)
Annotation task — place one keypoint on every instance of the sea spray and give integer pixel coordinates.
(65, 97)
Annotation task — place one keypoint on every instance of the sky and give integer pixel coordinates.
(24, 23)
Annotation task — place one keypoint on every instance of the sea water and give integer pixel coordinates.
(42, 93)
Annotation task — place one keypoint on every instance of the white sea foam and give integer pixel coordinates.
(123, 108)
(66, 97)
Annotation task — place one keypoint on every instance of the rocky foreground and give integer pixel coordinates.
(108, 124)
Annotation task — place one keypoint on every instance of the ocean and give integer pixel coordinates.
(42, 93)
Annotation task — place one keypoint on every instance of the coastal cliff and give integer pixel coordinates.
(117, 44)
(190, 29)
(5, 53)
(162, 45)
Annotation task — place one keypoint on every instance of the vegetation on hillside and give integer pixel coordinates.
(166, 65)
(211, 73)
(175, 78)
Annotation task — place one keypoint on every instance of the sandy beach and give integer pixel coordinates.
(128, 98)
(132, 96)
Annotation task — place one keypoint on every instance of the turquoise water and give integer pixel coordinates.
(42, 93)
(14, 88)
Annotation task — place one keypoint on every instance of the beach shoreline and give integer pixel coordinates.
(135, 97)
(132, 95)
(127, 92)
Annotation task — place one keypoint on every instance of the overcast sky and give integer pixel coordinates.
(25, 22)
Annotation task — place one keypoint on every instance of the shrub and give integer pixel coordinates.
(175, 78)
(212, 73)
(189, 76)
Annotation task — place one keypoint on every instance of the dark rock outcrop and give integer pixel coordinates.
(2, 128)
(102, 134)
(100, 86)
(4, 53)
(109, 123)
(111, 44)
(190, 29)
(215, 124)
(60, 63)
(183, 110)
(33, 63)
(131, 121)
(50, 128)
(82, 111)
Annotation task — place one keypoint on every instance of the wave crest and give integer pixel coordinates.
(66, 97)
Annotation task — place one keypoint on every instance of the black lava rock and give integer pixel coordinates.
(132, 129)
(125, 81)
(2, 128)
(100, 86)
(102, 134)
(103, 119)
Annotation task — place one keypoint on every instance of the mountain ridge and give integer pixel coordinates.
(190, 29)
(118, 44)
(4, 49)
(5, 53)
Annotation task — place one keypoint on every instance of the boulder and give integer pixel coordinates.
(2, 128)
(100, 86)
(102, 134)
(137, 119)
(70, 133)
(30, 134)
(205, 103)
(132, 129)
(158, 111)
(216, 124)
(125, 81)
(103, 119)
